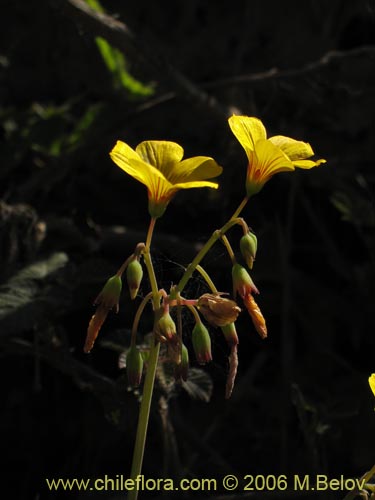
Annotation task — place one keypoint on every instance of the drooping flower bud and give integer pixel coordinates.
(107, 299)
(242, 282)
(94, 327)
(134, 366)
(218, 310)
(110, 294)
(201, 343)
(233, 365)
(248, 247)
(134, 275)
(230, 334)
(256, 315)
(167, 327)
(181, 369)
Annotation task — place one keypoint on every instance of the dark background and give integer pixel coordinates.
(69, 217)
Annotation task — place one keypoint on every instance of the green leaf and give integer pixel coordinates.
(116, 63)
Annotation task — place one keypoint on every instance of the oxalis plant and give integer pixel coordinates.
(160, 166)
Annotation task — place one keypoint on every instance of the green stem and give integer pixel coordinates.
(144, 415)
(195, 314)
(207, 279)
(229, 248)
(216, 235)
(124, 265)
(150, 233)
(150, 267)
(179, 326)
(240, 207)
(148, 388)
(137, 317)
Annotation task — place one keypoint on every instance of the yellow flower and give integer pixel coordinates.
(268, 156)
(159, 166)
(371, 381)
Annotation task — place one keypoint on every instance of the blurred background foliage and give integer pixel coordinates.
(69, 217)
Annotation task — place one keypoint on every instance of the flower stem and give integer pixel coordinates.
(144, 412)
(150, 267)
(137, 317)
(229, 248)
(207, 278)
(144, 415)
(240, 207)
(216, 235)
(124, 265)
(150, 232)
(194, 312)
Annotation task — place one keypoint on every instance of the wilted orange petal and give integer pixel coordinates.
(256, 315)
(94, 327)
(217, 310)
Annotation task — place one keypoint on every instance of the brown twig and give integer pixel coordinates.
(330, 58)
(273, 74)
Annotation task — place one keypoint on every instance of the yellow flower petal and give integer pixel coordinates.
(248, 130)
(307, 164)
(295, 150)
(158, 165)
(196, 169)
(269, 160)
(264, 162)
(163, 155)
(371, 381)
(268, 156)
(122, 149)
(127, 159)
(195, 184)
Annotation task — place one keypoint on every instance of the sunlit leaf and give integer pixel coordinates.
(116, 63)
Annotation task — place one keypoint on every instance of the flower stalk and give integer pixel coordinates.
(152, 362)
(160, 166)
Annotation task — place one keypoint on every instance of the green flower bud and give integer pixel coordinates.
(110, 294)
(230, 334)
(134, 366)
(242, 282)
(167, 327)
(248, 247)
(106, 300)
(134, 275)
(201, 343)
(181, 369)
